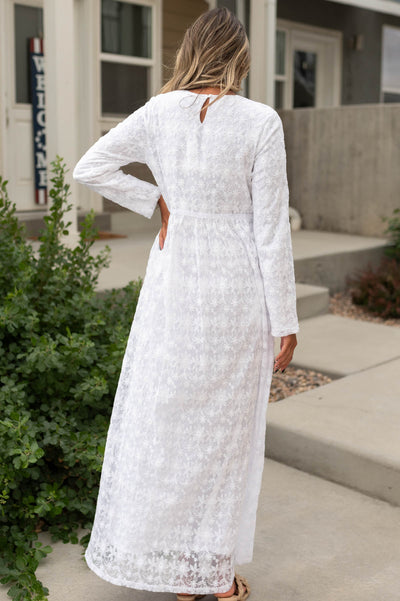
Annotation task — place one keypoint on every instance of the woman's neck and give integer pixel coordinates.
(209, 90)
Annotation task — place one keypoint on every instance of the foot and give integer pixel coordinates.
(233, 590)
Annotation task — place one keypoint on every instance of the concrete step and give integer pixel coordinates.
(328, 258)
(311, 300)
(339, 346)
(348, 430)
(314, 541)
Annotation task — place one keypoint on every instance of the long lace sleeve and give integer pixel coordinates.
(270, 197)
(99, 168)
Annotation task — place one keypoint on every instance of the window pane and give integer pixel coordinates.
(305, 69)
(279, 89)
(391, 58)
(124, 88)
(280, 53)
(125, 28)
(391, 97)
(28, 23)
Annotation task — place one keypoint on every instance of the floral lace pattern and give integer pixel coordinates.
(184, 456)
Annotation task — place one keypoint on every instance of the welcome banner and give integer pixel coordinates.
(38, 118)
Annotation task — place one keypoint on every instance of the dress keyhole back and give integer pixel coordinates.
(204, 109)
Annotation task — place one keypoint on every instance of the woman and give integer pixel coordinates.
(185, 448)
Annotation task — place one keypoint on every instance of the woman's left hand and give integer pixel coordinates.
(164, 221)
(284, 357)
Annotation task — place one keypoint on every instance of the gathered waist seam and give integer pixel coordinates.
(202, 214)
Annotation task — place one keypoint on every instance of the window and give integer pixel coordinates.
(127, 55)
(391, 64)
(28, 23)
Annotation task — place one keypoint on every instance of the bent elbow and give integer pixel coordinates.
(90, 171)
(79, 173)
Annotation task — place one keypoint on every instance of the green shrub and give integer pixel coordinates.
(393, 231)
(61, 349)
(378, 290)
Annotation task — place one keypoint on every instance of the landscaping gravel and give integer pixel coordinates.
(294, 381)
(341, 304)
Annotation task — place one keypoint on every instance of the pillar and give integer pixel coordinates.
(61, 98)
(262, 49)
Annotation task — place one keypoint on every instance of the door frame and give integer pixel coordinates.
(316, 39)
(10, 110)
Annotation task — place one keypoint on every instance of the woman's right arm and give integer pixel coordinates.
(271, 226)
(99, 168)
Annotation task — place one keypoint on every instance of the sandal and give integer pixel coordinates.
(188, 597)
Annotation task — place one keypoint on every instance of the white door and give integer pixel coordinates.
(308, 67)
(24, 19)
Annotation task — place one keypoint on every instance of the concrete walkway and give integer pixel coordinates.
(315, 541)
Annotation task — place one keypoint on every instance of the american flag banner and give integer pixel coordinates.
(38, 118)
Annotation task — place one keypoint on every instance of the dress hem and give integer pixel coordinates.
(155, 588)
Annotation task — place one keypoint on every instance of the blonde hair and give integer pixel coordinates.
(214, 53)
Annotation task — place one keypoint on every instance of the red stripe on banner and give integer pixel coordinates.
(41, 196)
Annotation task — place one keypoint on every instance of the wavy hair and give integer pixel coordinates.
(214, 52)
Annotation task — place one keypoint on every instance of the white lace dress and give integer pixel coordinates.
(184, 456)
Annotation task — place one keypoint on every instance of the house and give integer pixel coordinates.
(104, 58)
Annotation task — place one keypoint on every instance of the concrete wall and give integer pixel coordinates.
(343, 166)
(361, 69)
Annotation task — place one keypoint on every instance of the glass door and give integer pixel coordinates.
(308, 66)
